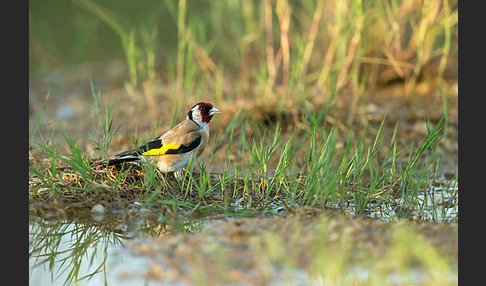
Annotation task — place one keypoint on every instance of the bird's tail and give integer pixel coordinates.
(123, 159)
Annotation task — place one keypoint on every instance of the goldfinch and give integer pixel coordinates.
(173, 150)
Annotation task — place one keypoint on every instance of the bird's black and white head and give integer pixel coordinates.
(202, 113)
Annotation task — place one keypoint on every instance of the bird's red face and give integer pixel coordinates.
(207, 111)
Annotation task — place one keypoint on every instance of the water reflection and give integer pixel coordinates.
(65, 248)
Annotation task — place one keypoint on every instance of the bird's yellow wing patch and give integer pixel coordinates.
(162, 150)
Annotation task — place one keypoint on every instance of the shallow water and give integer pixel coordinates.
(63, 249)
(145, 248)
(436, 204)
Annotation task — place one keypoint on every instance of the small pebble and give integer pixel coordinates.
(98, 209)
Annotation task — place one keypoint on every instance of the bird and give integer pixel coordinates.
(173, 150)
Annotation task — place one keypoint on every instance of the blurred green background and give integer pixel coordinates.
(326, 44)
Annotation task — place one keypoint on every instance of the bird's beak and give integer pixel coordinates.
(214, 110)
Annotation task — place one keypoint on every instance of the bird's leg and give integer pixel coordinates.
(160, 176)
(178, 175)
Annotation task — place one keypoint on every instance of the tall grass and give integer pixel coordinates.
(280, 46)
(138, 43)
